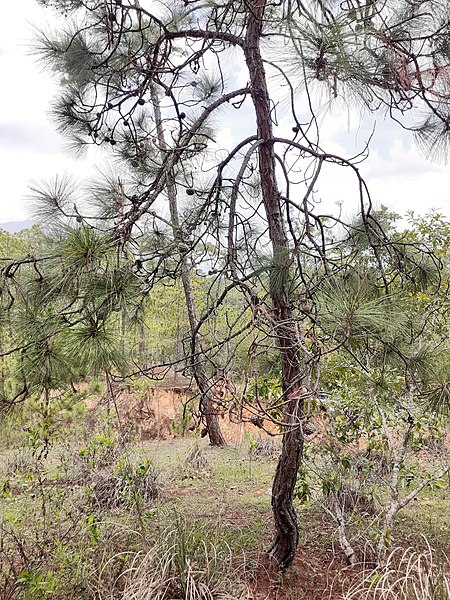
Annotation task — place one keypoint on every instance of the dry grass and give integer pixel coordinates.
(406, 575)
(181, 567)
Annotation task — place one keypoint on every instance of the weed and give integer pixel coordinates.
(37, 584)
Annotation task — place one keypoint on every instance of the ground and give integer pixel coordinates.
(75, 523)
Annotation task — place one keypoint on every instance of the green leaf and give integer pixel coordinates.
(346, 463)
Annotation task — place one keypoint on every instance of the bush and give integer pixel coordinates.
(100, 451)
(128, 485)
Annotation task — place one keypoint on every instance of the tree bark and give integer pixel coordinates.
(292, 372)
(198, 360)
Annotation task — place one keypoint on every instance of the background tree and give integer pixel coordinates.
(389, 381)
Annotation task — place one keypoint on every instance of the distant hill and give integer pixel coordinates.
(15, 226)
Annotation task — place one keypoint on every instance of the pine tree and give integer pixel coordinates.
(114, 55)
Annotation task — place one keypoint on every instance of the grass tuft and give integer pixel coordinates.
(406, 575)
(183, 565)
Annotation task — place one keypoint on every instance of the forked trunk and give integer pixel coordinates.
(286, 539)
(197, 357)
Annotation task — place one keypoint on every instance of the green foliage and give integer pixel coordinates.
(265, 390)
(95, 347)
(93, 529)
(58, 194)
(84, 249)
(44, 366)
(101, 450)
(37, 584)
(138, 483)
(181, 425)
(351, 309)
(302, 491)
(45, 418)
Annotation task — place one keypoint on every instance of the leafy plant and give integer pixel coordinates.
(128, 485)
(101, 450)
(37, 584)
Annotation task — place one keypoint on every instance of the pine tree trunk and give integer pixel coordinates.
(197, 357)
(286, 539)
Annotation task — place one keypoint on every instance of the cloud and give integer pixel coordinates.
(29, 136)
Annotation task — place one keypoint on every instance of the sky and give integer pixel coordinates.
(30, 148)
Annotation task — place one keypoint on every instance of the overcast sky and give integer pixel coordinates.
(29, 146)
(31, 149)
